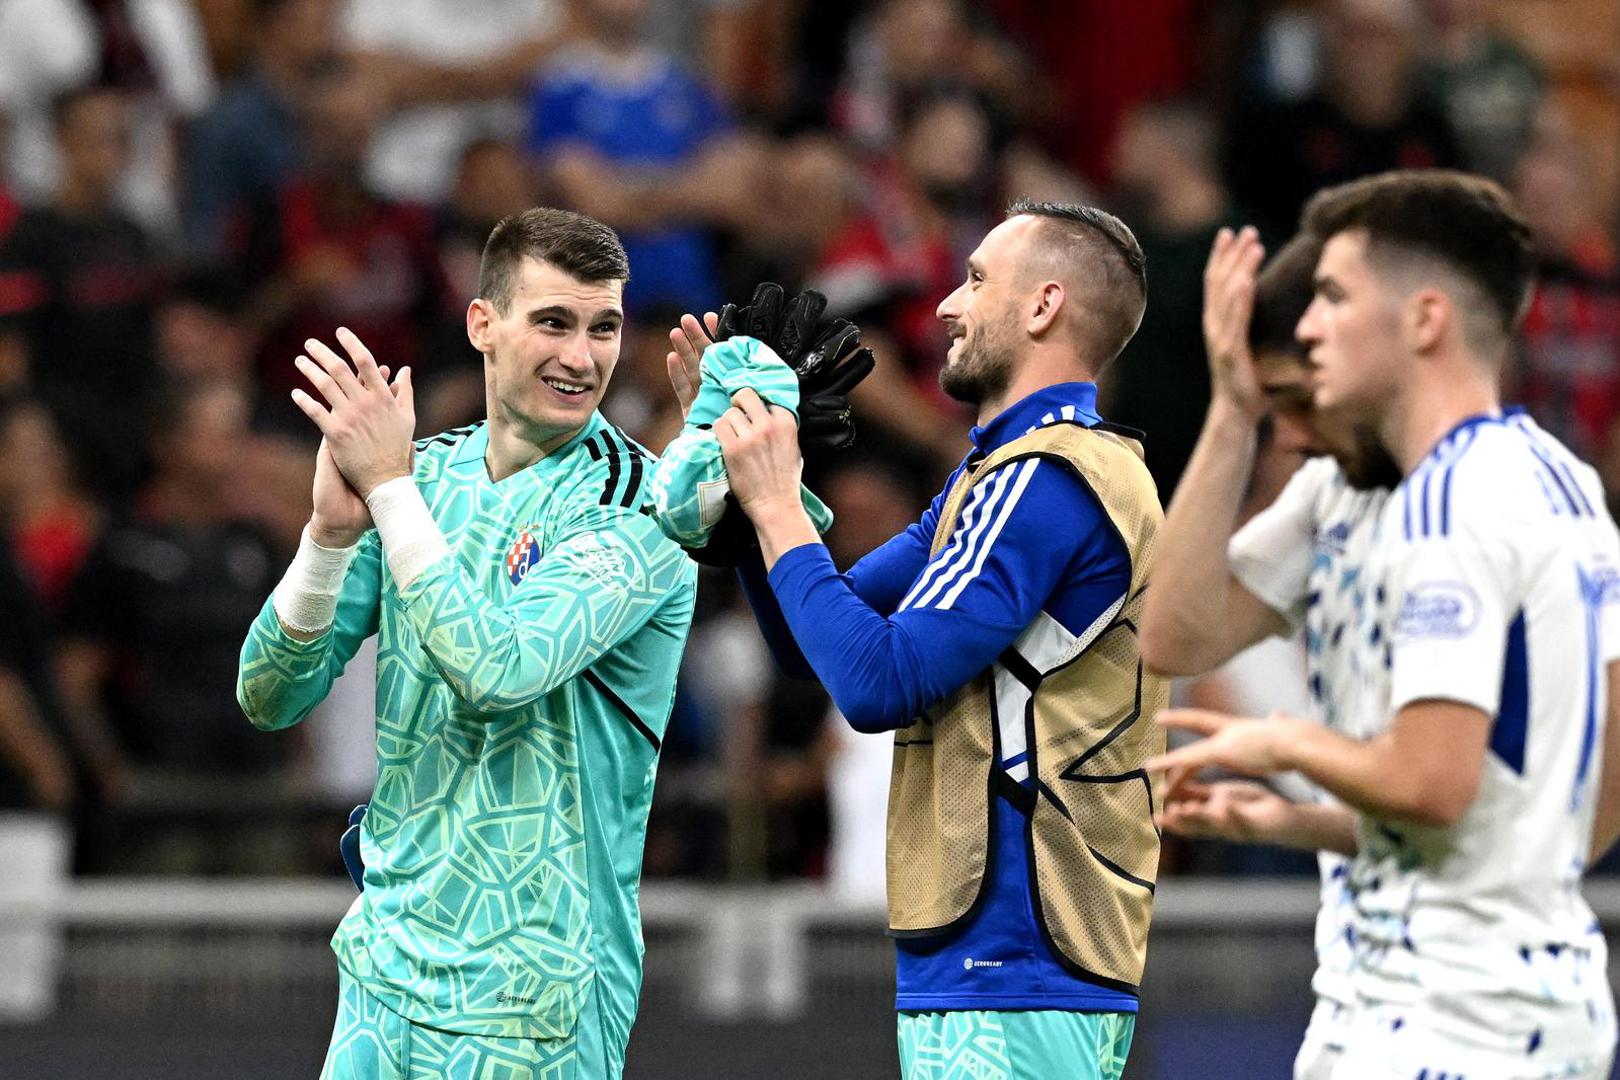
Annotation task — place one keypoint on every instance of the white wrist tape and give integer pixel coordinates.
(411, 539)
(306, 600)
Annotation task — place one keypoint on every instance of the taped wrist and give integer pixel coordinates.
(306, 599)
(411, 539)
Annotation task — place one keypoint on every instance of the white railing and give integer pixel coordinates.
(747, 949)
(1181, 904)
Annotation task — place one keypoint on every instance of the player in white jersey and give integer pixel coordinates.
(1488, 630)
(1294, 567)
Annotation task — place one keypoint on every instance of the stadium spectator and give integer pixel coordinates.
(800, 224)
(928, 205)
(492, 181)
(1095, 62)
(81, 276)
(1168, 180)
(750, 50)
(228, 30)
(13, 343)
(1489, 88)
(641, 403)
(337, 254)
(37, 789)
(853, 766)
(49, 521)
(149, 645)
(906, 48)
(250, 142)
(614, 122)
(1367, 115)
(152, 50)
(201, 327)
(1568, 369)
(448, 79)
(36, 771)
(803, 742)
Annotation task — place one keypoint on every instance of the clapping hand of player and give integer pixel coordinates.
(1240, 744)
(340, 513)
(1229, 280)
(366, 425)
(685, 360)
(1238, 810)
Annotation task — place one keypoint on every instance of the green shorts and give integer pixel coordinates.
(372, 1042)
(1014, 1045)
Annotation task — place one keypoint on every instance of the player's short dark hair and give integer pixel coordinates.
(1096, 245)
(1282, 292)
(1466, 223)
(580, 246)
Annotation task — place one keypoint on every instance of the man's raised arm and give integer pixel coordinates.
(1197, 615)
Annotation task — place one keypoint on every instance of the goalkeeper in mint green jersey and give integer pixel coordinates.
(530, 618)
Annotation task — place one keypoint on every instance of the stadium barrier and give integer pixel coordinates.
(722, 952)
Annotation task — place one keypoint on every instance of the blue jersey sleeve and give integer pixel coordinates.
(883, 576)
(1026, 530)
(880, 579)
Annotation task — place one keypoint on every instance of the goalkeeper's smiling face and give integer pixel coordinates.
(549, 356)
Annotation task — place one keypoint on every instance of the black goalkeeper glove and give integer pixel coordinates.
(824, 352)
(732, 538)
(826, 355)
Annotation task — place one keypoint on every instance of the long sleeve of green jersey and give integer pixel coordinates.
(280, 679)
(606, 573)
(524, 681)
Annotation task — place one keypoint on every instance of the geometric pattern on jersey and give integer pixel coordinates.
(1476, 596)
(498, 672)
(1305, 557)
(1400, 1042)
(372, 1042)
(1083, 710)
(977, 1044)
(689, 483)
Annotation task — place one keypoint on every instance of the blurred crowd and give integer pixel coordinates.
(190, 188)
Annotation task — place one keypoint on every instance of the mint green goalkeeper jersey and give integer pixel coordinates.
(523, 686)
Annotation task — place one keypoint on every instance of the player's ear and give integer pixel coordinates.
(478, 329)
(1429, 317)
(1045, 305)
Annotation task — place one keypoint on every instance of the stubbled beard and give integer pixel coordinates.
(1370, 467)
(982, 370)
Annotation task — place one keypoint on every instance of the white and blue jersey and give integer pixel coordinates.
(1494, 579)
(1303, 557)
(1033, 553)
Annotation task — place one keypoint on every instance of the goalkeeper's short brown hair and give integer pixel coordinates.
(579, 245)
